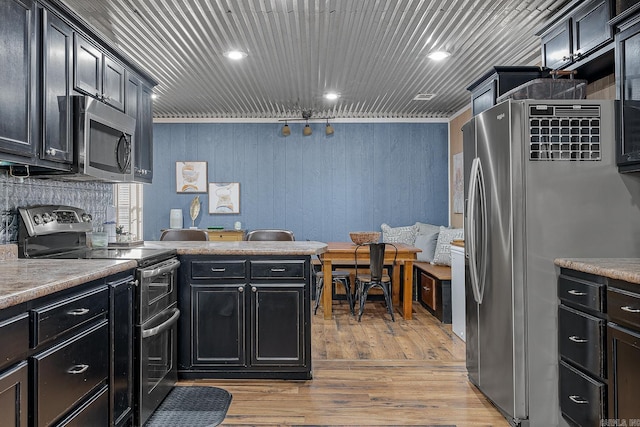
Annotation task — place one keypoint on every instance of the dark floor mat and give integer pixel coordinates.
(192, 407)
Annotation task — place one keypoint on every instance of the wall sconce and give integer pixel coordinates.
(286, 130)
(307, 129)
(328, 129)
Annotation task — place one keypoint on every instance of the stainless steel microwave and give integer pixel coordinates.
(104, 141)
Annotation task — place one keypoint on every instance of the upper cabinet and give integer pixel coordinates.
(55, 73)
(139, 104)
(97, 74)
(17, 68)
(48, 56)
(581, 33)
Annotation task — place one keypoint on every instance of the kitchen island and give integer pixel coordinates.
(246, 308)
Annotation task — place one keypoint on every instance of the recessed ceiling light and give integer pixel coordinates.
(438, 55)
(154, 96)
(424, 96)
(331, 96)
(235, 54)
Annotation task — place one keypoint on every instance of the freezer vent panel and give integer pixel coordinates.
(564, 133)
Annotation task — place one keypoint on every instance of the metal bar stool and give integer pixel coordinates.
(338, 276)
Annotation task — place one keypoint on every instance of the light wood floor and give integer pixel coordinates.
(376, 372)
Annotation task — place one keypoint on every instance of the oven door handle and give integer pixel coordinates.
(146, 333)
(161, 270)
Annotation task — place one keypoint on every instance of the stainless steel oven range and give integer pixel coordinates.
(59, 232)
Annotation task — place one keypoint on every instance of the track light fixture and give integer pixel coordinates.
(286, 130)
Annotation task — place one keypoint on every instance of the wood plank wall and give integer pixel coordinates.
(319, 186)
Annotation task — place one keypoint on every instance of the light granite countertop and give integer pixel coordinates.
(22, 280)
(627, 269)
(241, 247)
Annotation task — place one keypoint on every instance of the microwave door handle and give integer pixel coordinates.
(123, 138)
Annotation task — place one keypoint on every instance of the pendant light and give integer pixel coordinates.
(307, 129)
(286, 130)
(328, 129)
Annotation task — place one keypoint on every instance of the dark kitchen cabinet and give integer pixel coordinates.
(627, 41)
(14, 387)
(18, 83)
(497, 81)
(250, 317)
(580, 35)
(623, 305)
(139, 104)
(582, 347)
(56, 73)
(97, 74)
(121, 339)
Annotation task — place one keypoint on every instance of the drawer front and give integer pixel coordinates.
(65, 315)
(94, 412)
(428, 290)
(582, 399)
(228, 236)
(581, 338)
(15, 331)
(218, 269)
(581, 292)
(76, 366)
(623, 307)
(293, 269)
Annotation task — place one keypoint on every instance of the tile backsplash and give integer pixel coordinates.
(94, 197)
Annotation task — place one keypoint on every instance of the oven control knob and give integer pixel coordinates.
(86, 217)
(46, 217)
(37, 219)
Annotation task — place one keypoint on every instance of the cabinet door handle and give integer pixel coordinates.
(78, 312)
(78, 369)
(254, 289)
(578, 399)
(577, 339)
(577, 293)
(630, 309)
(277, 270)
(219, 270)
(240, 288)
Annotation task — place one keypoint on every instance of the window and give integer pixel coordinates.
(128, 200)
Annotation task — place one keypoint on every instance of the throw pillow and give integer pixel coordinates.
(442, 254)
(423, 228)
(426, 242)
(406, 234)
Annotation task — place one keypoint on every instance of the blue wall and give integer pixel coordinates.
(320, 187)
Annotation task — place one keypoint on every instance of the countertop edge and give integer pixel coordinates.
(627, 269)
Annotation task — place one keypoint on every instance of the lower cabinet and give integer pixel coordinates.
(623, 329)
(250, 317)
(70, 359)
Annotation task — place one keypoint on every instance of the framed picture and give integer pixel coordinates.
(191, 177)
(224, 197)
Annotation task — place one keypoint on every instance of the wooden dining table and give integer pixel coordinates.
(344, 253)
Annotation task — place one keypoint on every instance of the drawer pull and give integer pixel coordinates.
(219, 270)
(78, 312)
(630, 309)
(78, 369)
(577, 399)
(277, 270)
(577, 293)
(577, 339)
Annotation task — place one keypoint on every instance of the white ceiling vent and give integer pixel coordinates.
(424, 97)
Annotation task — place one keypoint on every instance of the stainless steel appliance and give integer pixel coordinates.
(103, 141)
(59, 232)
(541, 182)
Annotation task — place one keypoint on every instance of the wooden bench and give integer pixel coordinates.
(434, 288)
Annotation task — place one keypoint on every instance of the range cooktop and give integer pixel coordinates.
(144, 256)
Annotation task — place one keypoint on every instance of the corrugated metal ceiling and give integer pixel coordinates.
(372, 52)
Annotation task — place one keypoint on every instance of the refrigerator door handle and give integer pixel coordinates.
(484, 235)
(471, 228)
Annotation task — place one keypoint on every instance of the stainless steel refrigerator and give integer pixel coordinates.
(540, 183)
